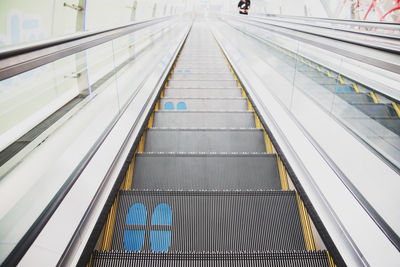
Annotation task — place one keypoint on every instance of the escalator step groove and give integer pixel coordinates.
(203, 92)
(270, 258)
(204, 104)
(210, 221)
(206, 171)
(204, 140)
(234, 119)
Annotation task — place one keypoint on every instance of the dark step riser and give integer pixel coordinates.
(204, 141)
(206, 172)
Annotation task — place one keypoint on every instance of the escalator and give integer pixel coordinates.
(374, 105)
(206, 187)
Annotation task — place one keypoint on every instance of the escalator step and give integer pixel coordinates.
(193, 65)
(185, 61)
(202, 76)
(199, 119)
(377, 110)
(197, 92)
(204, 104)
(326, 80)
(339, 88)
(197, 221)
(202, 84)
(355, 98)
(204, 140)
(201, 71)
(256, 259)
(206, 171)
(315, 74)
(392, 124)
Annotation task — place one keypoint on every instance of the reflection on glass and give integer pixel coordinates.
(368, 115)
(55, 114)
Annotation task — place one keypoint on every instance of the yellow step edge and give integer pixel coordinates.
(341, 79)
(129, 175)
(374, 98)
(89, 264)
(396, 108)
(308, 236)
(331, 263)
(282, 174)
(356, 87)
(319, 68)
(243, 92)
(150, 123)
(249, 105)
(258, 122)
(140, 148)
(328, 72)
(268, 144)
(109, 227)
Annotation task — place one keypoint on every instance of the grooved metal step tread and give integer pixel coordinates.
(201, 61)
(372, 110)
(205, 171)
(202, 84)
(197, 221)
(201, 71)
(202, 65)
(315, 74)
(377, 110)
(232, 119)
(339, 88)
(205, 92)
(355, 98)
(209, 259)
(392, 124)
(204, 140)
(203, 104)
(326, 80)
(201, 76)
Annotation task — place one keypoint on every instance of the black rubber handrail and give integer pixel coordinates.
(379, 45)
(338, 29)
(384, 37)
(361, 23)
(387, 230)
(19, 59)
(338, 50)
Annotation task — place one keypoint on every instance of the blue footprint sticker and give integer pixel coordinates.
(169, 106)
(134, 239)
(181, 106)
(160, 240)
(347, 89)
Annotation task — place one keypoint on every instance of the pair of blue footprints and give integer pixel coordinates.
(179, 106)
(346, 89)
(160, 240)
